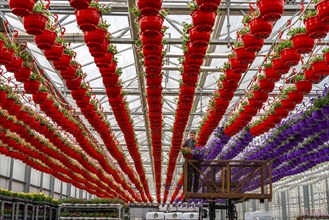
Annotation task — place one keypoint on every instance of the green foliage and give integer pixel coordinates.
(135, 11)
(283, 45)
(238, 44)
(37, 77)
(3, 37)
(299, 77)
(295, 31)
(112, 49)
(69, 51)
(103, 25)
(103, 8)
(316, 59)
(261, 76)
(40, 8)
(249, 16)
(226, 66)
(325, 50)
(244, 30)
(37, 197)
(231, 55)
(192, 6)
(309, 13)
(267, 65)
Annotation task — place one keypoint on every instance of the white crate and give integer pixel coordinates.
(174, 216)
(155, 216)
(191, 216)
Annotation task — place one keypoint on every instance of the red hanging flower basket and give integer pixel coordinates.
(260, 95)
(320, 68)
(189, 61)
(70, 72)
(110, 80)
(323, 10)
(73, 83)
(238, 67)
(281, 112)
(244, 56)
(103, 62)
(23, 74)
(302, 43)
(87, 18)
(55, 53)
(21, 7)
(8, 103)
(149, 63)
(95, 38)
(6, 55)
(31, 86)
(22, 116)
(229, 84)
(80, 4)
(266, 86)
(39, 97)
(231, 75)
(63, 63)
(271, 75)
(208, 5)
(199, 39)
(271, 10)
(3, 96)
(99, 51)
(15, 65)
(154, 91)
(196, 52)
(279, 67)
(151, 25)
(151, 43)
(326, 57)
(154, 81)
(149, 8)
(304, 86)
(295, 97)
(79, 94)
(289, 57)
(260, 28)
(113, 91)
(309, 75)
(45, 40)
(251, 43)
(288, 105)
(35, 23)
(191, 68)
(226, 94)
(15, 109)
(203, 21)
(315, 28)
(190, 78)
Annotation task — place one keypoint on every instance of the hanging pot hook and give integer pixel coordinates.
(251, 6)
(16, 34)
(48, 3)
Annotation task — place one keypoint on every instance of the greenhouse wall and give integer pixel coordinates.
(17, 177)
(311, 199)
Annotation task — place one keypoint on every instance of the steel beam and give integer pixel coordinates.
(78, 38)
(173, 92)
(174, 9)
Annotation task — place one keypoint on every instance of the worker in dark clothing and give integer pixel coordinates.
(192, 172)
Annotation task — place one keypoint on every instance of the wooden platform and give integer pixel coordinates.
(228, 179)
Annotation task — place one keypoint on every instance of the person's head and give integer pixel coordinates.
(192, 134)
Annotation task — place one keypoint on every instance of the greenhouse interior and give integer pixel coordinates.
(164, 109)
